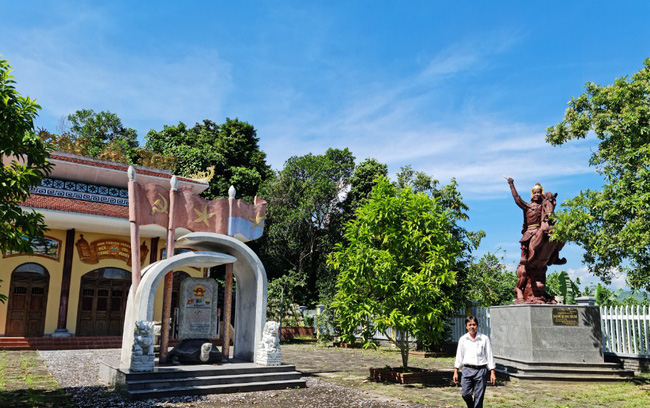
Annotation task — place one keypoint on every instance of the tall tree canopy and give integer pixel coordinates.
(100, 129)
(397, 266)
(24, 164)
(232, 148)
(362, 180)
(304, 218)
(489, 283)
(613, 224)
(450, 199)
(101, 135)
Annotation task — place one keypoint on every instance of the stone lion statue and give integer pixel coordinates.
(268, 351)
(143, 338)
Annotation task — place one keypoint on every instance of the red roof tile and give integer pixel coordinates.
(79, 206)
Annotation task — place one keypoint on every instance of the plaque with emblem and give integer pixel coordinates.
(565, 316)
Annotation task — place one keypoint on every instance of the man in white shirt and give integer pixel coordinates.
(474, 355)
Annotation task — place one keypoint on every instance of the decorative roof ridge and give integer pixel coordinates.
(89, 161)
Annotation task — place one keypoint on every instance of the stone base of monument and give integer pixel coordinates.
(195, 351)
(551, 342)
(200, 379)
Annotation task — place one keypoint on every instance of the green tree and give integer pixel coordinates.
(25, 163)
(448, 196)
(232, 148)
(113, 150)
(490, 284)
(396, 268)
(607, 297)
(103, 134)
(613, 224)
(281, 296)
(450, 199)
(304, 219)
(560, 284)
(641, 300)
(362, 180)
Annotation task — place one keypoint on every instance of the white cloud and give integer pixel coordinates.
(407, 122)
(588, 279)
(474, 150)
(413, 119)
(58, 67)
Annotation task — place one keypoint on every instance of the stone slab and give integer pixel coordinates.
(198, 309)
(547, 333)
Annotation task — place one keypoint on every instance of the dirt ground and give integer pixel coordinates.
(339, 378)
(349, 368)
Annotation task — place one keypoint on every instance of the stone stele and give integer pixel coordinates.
(198, 309)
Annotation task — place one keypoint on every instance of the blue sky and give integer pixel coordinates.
(456, 89)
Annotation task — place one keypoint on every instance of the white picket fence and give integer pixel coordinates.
(458, 321)
(626, 329)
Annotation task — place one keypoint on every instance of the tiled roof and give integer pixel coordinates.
(78, 206)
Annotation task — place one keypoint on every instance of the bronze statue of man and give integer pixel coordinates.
(537, 251)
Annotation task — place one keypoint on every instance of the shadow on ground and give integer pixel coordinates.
(35, 398)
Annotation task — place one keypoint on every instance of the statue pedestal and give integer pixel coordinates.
(561, 342)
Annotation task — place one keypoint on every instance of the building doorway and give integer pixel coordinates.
(102, 302)
(27, 301)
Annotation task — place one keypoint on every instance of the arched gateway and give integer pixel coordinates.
(212, 249)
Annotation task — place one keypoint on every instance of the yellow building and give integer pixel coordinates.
(77, 281)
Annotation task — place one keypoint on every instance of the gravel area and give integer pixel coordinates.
(77, 371)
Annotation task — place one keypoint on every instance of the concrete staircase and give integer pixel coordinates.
(172, 381)
(562, 371)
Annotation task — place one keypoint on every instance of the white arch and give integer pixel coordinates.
(250, 308)
(140, 305)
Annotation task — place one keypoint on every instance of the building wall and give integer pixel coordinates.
(79, 268)
(54, 267)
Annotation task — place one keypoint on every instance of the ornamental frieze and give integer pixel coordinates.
(92, 253)
(82, 191)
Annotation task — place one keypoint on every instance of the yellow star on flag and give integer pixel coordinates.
(257, 221)
(203, 216)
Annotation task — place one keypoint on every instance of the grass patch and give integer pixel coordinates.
(26, 382)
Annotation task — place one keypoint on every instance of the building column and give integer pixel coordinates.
(61, 330)
(227, 313)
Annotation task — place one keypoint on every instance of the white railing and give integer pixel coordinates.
(458, 321)
(626, 329)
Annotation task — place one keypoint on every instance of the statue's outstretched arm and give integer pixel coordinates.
(518, 200)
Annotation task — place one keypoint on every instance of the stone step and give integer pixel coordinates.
(575, 378)
(550, 365)
(215, 389)
(17, 343)
(205, 371)
(594, 371)
(212, 380)
(577, 373)
(570, 372)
